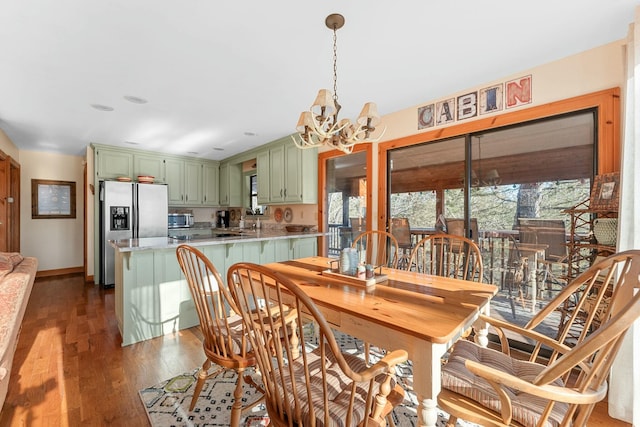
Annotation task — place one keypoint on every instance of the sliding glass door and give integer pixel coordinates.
(510, 187)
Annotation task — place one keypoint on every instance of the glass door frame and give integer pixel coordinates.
(322, 190)
(608, 148)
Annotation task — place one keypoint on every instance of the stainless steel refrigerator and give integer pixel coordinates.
(128, 211)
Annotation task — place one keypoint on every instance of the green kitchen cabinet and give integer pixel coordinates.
(292, 174)
(111, 164)
(263, 177)
(210, 184)
(184, 179)
(149, 165)
(174, 170)
(304, 247)
(230, 184)
(276, 175)
(275, 251)
(193, 183)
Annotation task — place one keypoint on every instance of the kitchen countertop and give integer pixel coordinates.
(207, 238)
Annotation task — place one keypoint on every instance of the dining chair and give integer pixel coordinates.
(225, 339)
(401, 230)
(378, 247)
(561, 387)
(448, 255)
(317, 384)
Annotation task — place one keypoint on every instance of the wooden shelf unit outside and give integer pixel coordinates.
(583, 248)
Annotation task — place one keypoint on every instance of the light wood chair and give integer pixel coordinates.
(310, 386)
(448, 255)
(225, 339)
(379, 248)
(492, 388)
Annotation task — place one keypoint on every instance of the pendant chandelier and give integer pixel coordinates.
(321, 126)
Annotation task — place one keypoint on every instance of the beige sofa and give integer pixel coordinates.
(16, 281)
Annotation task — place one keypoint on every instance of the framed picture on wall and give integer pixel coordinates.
(53, 199)
(605, 192)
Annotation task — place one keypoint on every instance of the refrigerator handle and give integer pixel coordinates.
(135, 213)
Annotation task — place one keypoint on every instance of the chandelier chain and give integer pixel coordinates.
(335, 64)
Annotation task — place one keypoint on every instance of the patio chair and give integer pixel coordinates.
(379, 248)
(358, 225)
(401, 230)
(225, 340)
(448, 255)
(516, 275)
(315, 385)
(455, 226)
(491, 388)
(552, 233)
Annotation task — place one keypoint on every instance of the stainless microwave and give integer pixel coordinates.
(180, 220)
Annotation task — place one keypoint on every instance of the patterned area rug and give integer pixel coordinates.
(167, 403)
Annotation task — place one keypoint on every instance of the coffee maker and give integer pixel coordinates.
(222, 220)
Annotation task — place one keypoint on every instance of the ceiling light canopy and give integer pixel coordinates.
(135, 99)
(101, 107)
(321, 126)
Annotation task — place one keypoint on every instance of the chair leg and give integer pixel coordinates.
(236, 409)
(202, 377)
(367, 347)
(451, 422)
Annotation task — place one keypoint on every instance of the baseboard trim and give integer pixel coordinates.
(59, 272)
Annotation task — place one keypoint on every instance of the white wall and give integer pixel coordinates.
(57, 243)
(591, 71)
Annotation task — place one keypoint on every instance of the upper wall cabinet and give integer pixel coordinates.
(281, 176)
(149, 165)
(210, 184)
(230, 184)
(185, 182)
(111, 164)
(262, 172)
(191, 182)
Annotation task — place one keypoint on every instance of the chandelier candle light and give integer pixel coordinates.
(320, 125)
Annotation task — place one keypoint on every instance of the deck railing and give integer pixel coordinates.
(494, 245)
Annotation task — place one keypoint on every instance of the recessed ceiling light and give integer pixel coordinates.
(250, 134)
(135, 99)
(101, 107)
(218, 149)
(193, 153)
(132, 142)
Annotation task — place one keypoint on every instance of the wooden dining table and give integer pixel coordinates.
(420, 313)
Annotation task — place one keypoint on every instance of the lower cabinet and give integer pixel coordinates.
(152, 297)
(304, 247)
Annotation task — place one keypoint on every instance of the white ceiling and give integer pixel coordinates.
(213, 71)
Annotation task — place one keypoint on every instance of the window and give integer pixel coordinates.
(253, 195)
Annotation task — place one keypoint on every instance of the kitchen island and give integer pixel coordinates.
(152, 297)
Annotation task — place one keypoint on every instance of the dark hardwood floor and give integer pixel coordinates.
(70, 370)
